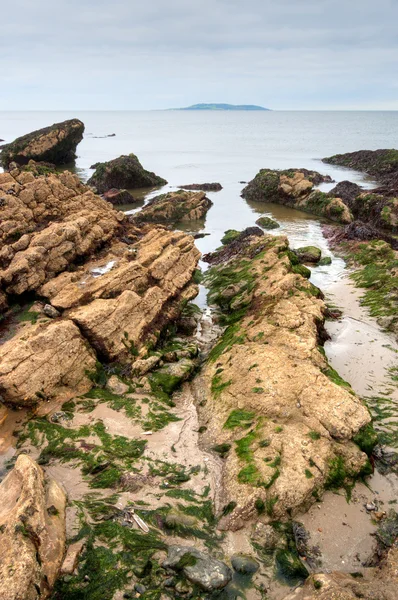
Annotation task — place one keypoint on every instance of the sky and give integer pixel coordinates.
(155, 54)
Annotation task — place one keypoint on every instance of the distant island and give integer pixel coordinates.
(222, 107)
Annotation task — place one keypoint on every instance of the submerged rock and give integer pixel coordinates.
(267, 223)
(199, 568)
(246, 565)
(32, 532)
(296, 188)
(55, 144)
(124, 172)
(174, 207)
(115, 196)
(205, 187)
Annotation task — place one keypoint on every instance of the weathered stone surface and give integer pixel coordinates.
(45, 360)
(295, 188)
(55, 144)
(174, 207)
(267, 388)
(267, 223)
(116, 386)
(48, 222)
(32, 532)
(204, 187)
(124, 172)
(210, 574)
(115, 196)
(379, 583)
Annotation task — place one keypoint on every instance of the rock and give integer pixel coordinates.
(265, 537)
(200, 568)
(47, 223)
(32, 537)
(55, 144)
(267, 223)
(50, 311)
(115, 196)
(71, 559)
(116, 386)
(44, 361)
(205, 187)
(236, 244)
(141, 589)
(174, 207)
(176, 518)
(325, 261)
(244, 564)
(295, 188)
(378, 163)
(308, 254)
(266, 383)
(347, 191)
(169, 377)
(143, 366)
(125, 172)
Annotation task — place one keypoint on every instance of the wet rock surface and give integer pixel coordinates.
(32, 532)
(205, 187)
(174, 207)
(56, 144)
(115, 196)
(124, 172)
(210, 574)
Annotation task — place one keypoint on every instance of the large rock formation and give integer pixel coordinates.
(55, 144)
(381, 164)
(32, 532)
(110, 287)
(268, 392)
(296, 188)
(174, 207)
(125, 172)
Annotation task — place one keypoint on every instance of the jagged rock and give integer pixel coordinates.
(115, 196)
(201, 569)
(266, 385)
(378, 583)
(32, 532)
(295, 188)
(267, 223)
(43, 361)
(308, 254)
(174, 207)
(124, 172)
(55, 144)
(47, 223)
(204, 187)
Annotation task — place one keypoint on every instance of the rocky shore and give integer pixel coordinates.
(158, 451)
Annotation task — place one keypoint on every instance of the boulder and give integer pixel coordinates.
(47, 223)
(169, 377)
(246, 565)
(125, 172)
(347, 191)
(174, 207)
(204, 187)
(115, 196)
(198, 567)
(267, 223)
(308, 254)
(381, 164)
(55, 144)
(44, 361)
(32, 532)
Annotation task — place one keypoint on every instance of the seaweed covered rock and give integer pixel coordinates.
(267, 223)
(381, 164)
(268, 390)
(308, 254)
(32, 532)
(124, 172)
(174, 207)
(296, 188)
(346, 190)
(199, 568)
(55, 144)
(204, 187)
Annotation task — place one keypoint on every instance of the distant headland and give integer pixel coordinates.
(222, 107)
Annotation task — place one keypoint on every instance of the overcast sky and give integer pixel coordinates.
(150, 54)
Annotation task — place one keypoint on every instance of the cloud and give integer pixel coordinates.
(136, 55)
